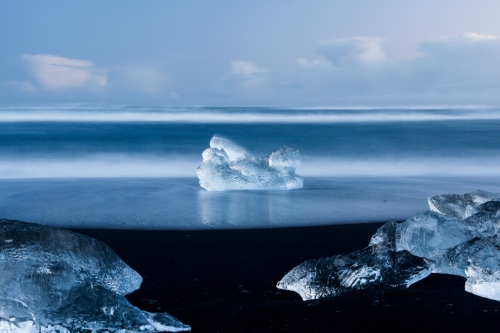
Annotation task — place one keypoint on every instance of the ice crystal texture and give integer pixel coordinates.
(227, 166)
(54, 280)
(459, 236)
(460, 206)
(373, 266)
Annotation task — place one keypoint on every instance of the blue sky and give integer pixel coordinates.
(251, 53)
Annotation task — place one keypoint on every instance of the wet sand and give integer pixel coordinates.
(224, 281)
(181, 204)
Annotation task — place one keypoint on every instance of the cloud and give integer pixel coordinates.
(466, 52)
(246, 69)
(464, 63)
(447, 70)
(246, 74)
(53, 72)
(466, 66)
(353, 51)
(312, 63)
(468, 37)
(245, 82)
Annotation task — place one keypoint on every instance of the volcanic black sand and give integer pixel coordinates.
(224, 281)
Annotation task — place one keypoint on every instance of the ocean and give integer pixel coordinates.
(124, 167)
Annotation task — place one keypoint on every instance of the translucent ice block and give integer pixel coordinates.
(54, 280)
(227, 166)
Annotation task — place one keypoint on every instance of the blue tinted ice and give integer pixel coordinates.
(53, 280)
(460, 206)
(478, 260)
(372, 267)
(458, 237)
(431, 234)
(226, 166)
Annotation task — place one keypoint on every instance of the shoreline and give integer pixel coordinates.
(180, 204)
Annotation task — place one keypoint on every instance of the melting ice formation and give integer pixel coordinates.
(57, 281)
(458, 236)
(227, 166)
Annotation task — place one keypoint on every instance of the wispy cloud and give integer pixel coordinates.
(462, 66)
(244, 81)
(461, 69)
(245, 74)
(246, 69)
(353, 51)
(54, 72)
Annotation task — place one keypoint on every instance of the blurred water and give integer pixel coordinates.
(118, 167)
(108, 142)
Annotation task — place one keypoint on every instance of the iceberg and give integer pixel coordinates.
(226, 166)
(458, 236)
(54, 280)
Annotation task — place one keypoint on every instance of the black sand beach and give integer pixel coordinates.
(224, 281)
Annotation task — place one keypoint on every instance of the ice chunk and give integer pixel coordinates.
(90, 259)
(233, 151)
(53, 280)
(486, 221)
(227, 166)
(468, 247)
(456, 240)
(431, 234)
(83, 307)
(385, 236)
(479, 261)
(374, 266)
(460, 206)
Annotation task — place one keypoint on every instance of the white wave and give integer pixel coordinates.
(151, 166)
(196, 115)
(403, 167)
(401, 107)
(100, 166)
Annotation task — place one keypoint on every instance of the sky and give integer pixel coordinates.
(250, 53)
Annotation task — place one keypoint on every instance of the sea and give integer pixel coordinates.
(133, 167)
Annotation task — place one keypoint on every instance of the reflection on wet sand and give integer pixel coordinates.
(180, 203)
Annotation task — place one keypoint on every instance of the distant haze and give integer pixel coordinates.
(251, 53)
